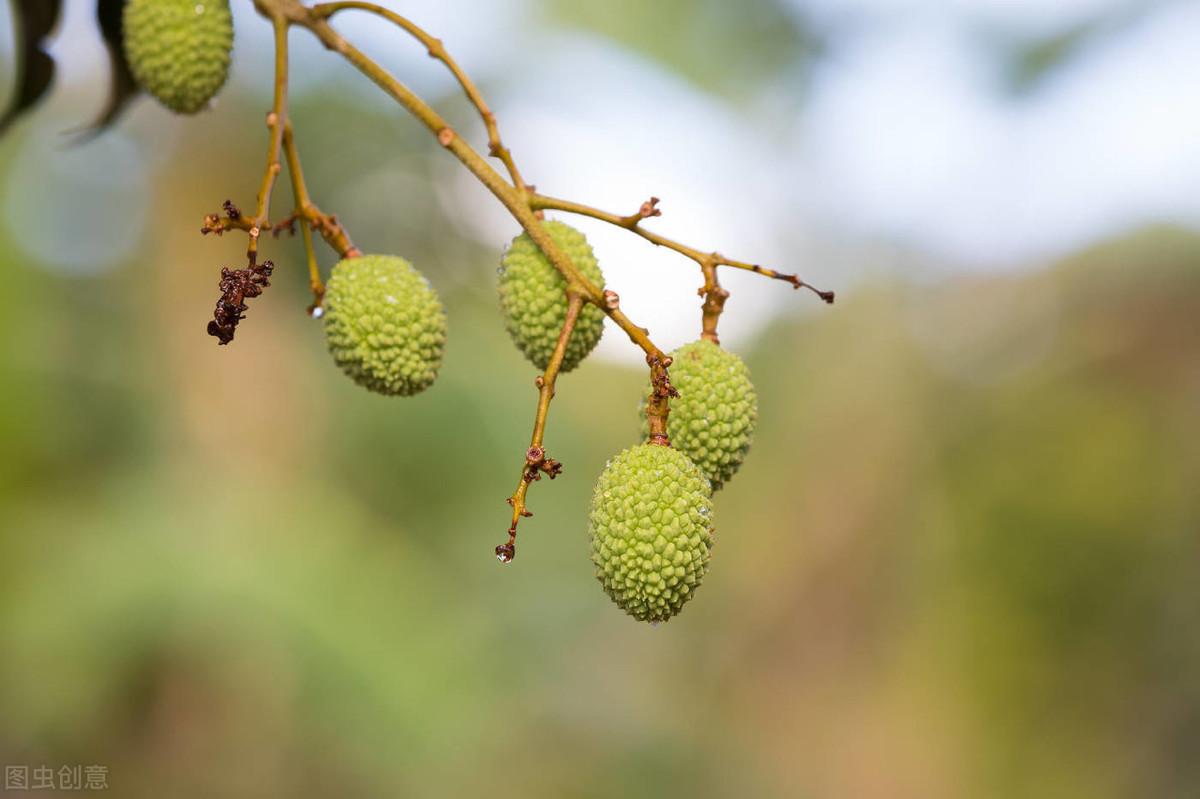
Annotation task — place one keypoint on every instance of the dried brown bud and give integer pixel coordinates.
(237, 286)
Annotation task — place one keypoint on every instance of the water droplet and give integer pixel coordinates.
(500, 271)
(316, 312)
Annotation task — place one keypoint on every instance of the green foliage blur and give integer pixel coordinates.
(961, 560)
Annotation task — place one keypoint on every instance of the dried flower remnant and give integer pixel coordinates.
(237, 286)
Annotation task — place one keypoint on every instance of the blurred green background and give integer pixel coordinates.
(961, 561)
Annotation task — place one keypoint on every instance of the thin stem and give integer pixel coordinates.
(437, 50)
(537, 461)
(546, 384)
(275, 123)
(311, 218)
(542, 202)
(300, 194)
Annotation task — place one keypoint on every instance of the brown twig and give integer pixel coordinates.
(543, 202)
(537, 462)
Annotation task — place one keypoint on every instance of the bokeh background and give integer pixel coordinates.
(961, 561)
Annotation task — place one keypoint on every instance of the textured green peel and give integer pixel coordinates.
(384, 324)
(179, 50)
(713, 419)
(534, 302)
(650, 531)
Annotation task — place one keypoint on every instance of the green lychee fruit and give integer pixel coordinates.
(179, 50)
(384, 324)
(713, 419)
(650, 530)
(534, 301)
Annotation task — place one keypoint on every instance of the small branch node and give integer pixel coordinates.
(612, 301)
(647, 209)
(445, 136)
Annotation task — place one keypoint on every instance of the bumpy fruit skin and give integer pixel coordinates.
(534, 302)
(650, 531)
(179, 50)
(713, 419)
(384, 323)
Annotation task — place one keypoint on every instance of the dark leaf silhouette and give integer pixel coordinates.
(122, 87)
(33, 21)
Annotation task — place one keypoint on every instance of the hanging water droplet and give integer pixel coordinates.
(316, 312)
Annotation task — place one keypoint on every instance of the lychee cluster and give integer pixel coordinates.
(650, 530)
(713, 420)
(533, 297)
(179, 50)
(384, 324)
(650, 510)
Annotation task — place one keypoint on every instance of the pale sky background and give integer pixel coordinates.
(907, 155)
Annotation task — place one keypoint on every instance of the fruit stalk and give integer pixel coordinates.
(714, 303)
(658, 403)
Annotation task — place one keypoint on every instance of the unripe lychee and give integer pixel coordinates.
(534, 301)
(179, 50)
(713, 419)
(650, 531)
(384, 324)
